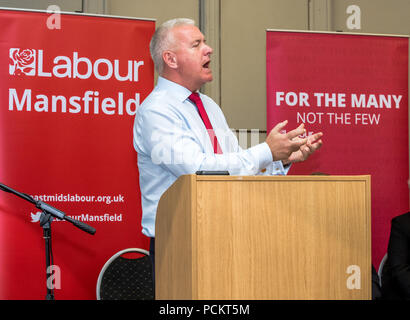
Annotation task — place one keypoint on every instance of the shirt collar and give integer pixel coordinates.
(180, 92)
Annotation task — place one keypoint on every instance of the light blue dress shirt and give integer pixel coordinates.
(171, 140)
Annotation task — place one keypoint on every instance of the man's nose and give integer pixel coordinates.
(208, 50)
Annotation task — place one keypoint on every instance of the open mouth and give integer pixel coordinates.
(206, 65)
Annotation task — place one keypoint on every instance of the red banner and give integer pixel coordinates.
(68, 97)
(353, 88)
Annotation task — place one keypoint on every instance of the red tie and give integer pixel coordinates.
(194, 97)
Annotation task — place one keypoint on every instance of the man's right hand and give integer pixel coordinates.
(282, 145)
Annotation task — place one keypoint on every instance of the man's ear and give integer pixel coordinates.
(170, 59)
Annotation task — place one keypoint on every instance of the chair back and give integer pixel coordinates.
(381, 266)
(124, 278)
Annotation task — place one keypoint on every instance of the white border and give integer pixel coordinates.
(78, 14)
(337, 32)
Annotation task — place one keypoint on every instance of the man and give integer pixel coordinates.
(396, 271)
(180, 131)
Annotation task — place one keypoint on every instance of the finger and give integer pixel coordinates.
(315, 137)
(308, 149)
(316, 146)
(296, 143)
(296, 132)
(313, 141)
(300, 141)
(280, 126)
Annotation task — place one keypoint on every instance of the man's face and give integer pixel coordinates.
(192, 56)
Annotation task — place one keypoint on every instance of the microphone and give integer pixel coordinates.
(62, 216)
(81, 225)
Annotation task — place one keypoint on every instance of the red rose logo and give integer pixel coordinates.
(23, 61)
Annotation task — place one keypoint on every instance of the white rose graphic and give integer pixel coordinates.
(24, 62)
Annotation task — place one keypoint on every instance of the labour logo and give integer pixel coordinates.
(23, 62)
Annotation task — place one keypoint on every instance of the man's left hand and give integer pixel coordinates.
(313, 143)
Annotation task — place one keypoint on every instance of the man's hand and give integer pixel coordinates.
(313, 143)
(283, 145)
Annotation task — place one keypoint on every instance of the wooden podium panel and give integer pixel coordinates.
(258, 237)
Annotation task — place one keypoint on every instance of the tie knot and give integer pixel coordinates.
(194, 97)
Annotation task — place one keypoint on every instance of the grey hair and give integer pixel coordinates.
(162, 39)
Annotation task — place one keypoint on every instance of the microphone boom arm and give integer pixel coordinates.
(49, 209)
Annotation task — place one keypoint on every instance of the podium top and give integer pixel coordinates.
(279, 178)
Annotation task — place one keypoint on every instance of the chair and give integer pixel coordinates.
(124, 278)
(381, 266)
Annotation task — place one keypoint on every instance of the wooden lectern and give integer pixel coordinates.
(258, 237)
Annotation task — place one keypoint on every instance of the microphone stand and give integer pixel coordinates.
(47, 214)
(45, 223)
